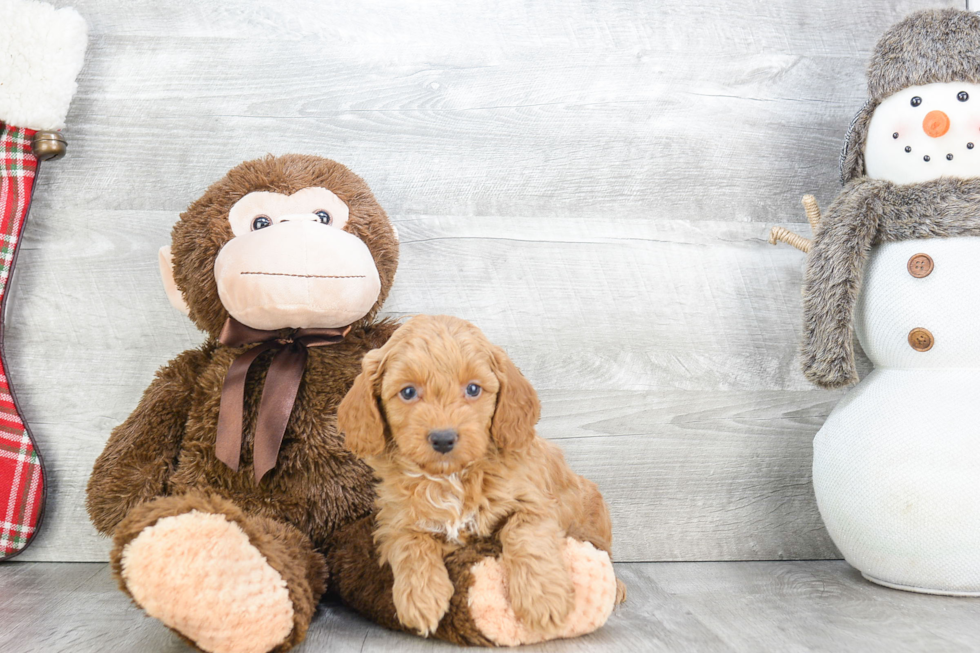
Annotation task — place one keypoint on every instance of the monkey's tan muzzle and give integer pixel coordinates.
(297, 274)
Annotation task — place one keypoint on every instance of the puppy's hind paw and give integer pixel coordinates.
(595, 589)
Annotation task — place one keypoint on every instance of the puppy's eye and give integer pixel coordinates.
(323, 215)
(408, 393)
(473, 390)
(261, 222)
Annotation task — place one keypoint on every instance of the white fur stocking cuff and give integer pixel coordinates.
(41, 53)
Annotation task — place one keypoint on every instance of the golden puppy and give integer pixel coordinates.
(447, 422)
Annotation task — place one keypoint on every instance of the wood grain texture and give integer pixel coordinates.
(591, 183)
(720, 607)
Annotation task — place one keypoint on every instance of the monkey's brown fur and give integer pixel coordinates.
(160, 462)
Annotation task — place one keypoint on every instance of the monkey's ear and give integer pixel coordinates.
(518, 407)
(358, 416)
(169, 285)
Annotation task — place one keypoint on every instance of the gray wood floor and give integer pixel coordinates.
(705, 607)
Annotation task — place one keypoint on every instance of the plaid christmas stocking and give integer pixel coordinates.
(41, 53)
(21, 470)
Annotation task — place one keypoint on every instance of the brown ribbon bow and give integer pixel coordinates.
(278, 394)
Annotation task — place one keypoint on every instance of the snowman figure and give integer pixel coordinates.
(896, 262)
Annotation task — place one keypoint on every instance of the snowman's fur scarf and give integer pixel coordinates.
(868, 212)
(41, 53)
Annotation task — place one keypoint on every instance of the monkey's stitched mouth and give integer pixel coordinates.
(307, 276)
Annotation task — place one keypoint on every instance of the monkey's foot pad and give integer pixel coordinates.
(595, 594)
(178, 571)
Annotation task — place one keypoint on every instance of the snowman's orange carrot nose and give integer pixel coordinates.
(935, 124)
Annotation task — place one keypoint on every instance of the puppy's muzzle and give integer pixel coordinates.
(443, 440)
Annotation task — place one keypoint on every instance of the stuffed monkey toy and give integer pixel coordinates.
(232, 502)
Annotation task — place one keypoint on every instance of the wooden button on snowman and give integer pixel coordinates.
(921, 265)
(895, 261)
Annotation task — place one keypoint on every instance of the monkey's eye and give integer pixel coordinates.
(962, 96)
(324, 216)
(408, 393)
(916, 101)
(261, 222)
(473, 390)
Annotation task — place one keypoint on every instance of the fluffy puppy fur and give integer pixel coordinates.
(498, 478)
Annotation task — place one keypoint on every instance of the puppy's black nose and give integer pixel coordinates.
(444, 440)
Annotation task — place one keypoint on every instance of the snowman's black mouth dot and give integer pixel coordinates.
(969, 146)
(908, 148)
(926, 158)
(895, 135)
(949, 157)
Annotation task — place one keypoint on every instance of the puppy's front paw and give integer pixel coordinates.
(542, 593)
(421, 602)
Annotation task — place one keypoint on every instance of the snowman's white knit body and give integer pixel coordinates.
(896, 466)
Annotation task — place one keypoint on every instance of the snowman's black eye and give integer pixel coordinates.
(916, 101)
(895, 135)
(323, 215)
(926, 158)
(261, 222)
(949, 157)
(962, 96)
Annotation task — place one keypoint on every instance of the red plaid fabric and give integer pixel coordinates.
(21, 475)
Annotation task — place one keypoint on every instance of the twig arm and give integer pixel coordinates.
(782, 235)
(812, 212)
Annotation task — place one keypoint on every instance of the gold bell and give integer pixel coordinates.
(49, 146)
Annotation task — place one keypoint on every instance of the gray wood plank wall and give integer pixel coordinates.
(590, 182)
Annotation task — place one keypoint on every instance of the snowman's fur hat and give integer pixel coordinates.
(935, 45)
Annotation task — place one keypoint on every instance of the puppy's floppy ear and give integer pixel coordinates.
(358, 416)
(518, 408)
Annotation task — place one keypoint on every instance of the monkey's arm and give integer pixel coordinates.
(142, 451)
